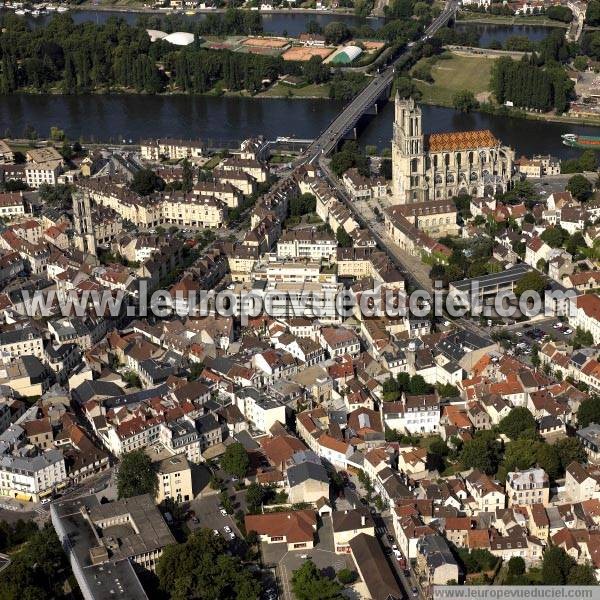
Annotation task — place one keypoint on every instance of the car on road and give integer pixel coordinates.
(390, 537)
(415, 591)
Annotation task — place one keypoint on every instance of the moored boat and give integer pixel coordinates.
(581, 141)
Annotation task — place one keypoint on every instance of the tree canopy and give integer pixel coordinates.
(136, 475)
(517, 423)
(532, 281)
(199, 569)
(309, 584)
(235, 461)
(588, 411)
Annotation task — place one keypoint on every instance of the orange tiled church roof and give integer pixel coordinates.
(461, 140)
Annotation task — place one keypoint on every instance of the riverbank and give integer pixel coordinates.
(487, 19)
(136, 7)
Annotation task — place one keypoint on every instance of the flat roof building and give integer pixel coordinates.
(106, 542)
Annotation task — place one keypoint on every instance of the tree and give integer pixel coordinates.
(516, 566)
(464, 101)
(582, 575)
(136, 475)
(532, 281)
(235, 461)
(336, 32)
(146, 181)
(200, 569)
(559, 13)
(588, 411)
(482, 452)
(570, 449)
(518, 421)
(548, 458)
(33, 573)
(254, 497)
(418, 385)
(309, 584)
(554, 236)
(187, 178)
(302, 205)
(580, 187)
(343, 238)
(556, 565)
(346, 576)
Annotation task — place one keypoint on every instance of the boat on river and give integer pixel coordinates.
(581, 141)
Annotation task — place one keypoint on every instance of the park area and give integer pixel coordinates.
(452, 74)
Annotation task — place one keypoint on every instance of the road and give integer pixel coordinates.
(411, 267)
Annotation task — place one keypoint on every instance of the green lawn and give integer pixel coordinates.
(288, 91)
(454, 74)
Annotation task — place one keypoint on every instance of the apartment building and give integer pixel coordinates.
(171, 149)
(29, 478)
(43, 166)
(20, 342)
(413, 414)
(303, 243)
(188, 210)
(586, 314)
(174, 479)
(528, 487)
(259, 409)
(12, 205)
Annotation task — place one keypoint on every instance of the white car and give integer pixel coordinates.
(215, 532)
(227, 529)
(568, 331)
(223, 512)
(232, 536)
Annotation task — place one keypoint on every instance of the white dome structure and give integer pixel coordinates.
(346, 55)
(155, 34)
(180, 38)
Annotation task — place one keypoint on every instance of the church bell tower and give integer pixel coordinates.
(408, 154)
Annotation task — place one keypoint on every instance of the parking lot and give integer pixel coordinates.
(208, 515)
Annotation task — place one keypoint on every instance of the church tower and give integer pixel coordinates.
(84, 238)
(408, 153)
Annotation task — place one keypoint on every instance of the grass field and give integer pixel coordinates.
(287, 91)
(454, 74)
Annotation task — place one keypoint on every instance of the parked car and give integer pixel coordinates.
(215, 532)
(227, 529)
(222, 511)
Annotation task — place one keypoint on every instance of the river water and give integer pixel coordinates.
(500, 33)
(275, 23)
(113, 118)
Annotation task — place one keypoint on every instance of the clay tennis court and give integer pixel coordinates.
(303, 53)
(369, 45)
(259, 42)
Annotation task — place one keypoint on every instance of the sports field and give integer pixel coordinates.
(305, 53)
(457, 73)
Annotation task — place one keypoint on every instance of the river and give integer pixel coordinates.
(291, 23)
(112, 118)
(491, 32)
